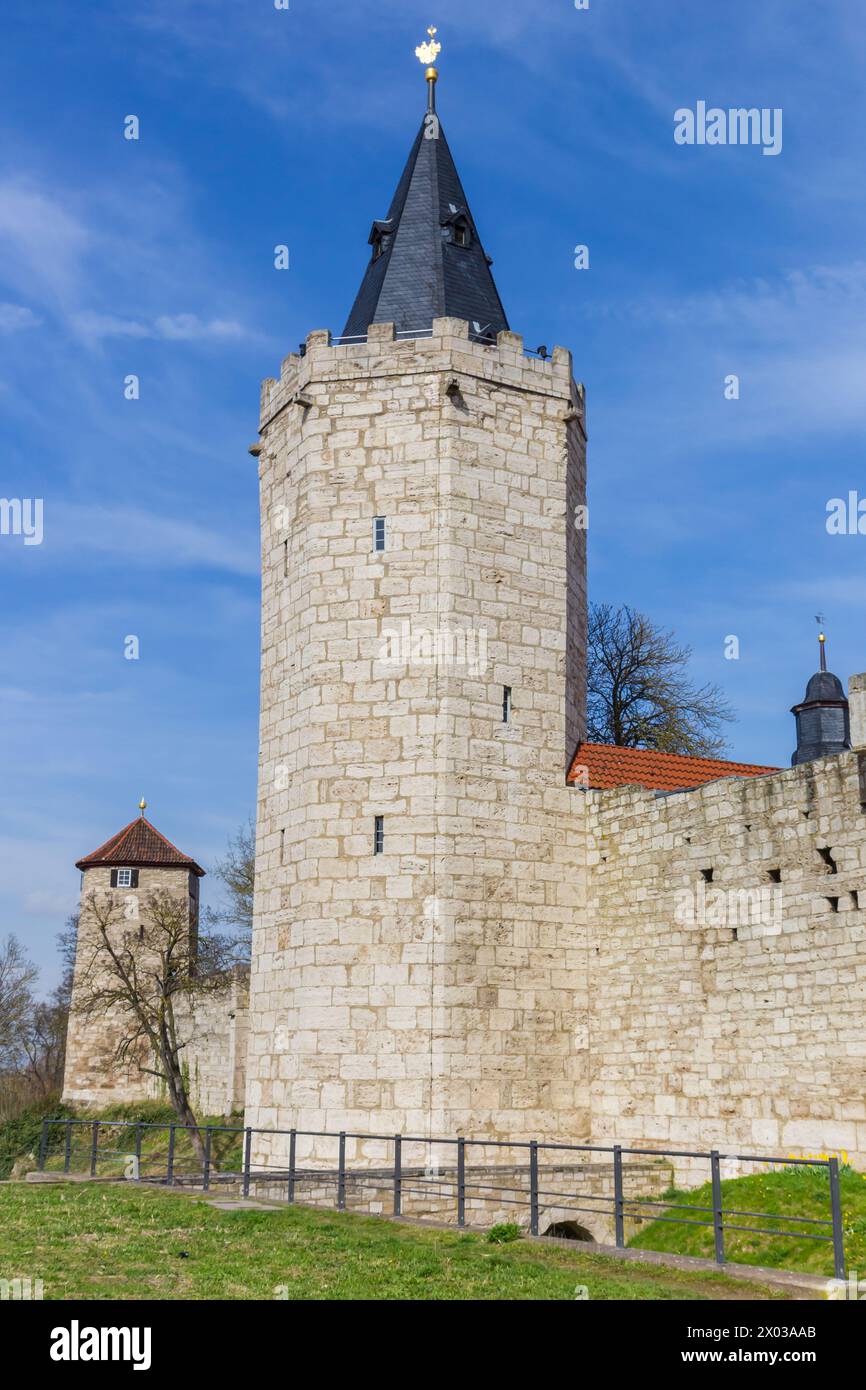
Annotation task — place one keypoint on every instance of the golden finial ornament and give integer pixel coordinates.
(428, 52)
(142, 805)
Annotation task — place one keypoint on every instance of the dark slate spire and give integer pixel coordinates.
(427, 260)
(822, 718)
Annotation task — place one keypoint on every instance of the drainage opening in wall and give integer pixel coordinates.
(569, 1230)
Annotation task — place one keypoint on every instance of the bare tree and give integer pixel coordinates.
(638, 692)
(44, 1038)
(18, 974)
(139, 972)
(236, 872)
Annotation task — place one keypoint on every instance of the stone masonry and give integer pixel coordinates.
(215, 1024)
(726, 933)
(440, 985)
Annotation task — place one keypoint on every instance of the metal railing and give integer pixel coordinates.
(457, 1187)
(402, 335)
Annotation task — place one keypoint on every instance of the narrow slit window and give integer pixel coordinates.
(506, 704)
(282, 846)
(378, 533)
(379, 835)
(285, 559)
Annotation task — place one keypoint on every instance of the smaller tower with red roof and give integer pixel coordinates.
(135, 862)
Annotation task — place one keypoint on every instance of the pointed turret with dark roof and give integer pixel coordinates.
(427, 260)
(823, 719)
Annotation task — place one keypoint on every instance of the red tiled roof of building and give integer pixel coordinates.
(139, 845)
(608, 766)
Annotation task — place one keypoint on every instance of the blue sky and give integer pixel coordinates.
(261, 127)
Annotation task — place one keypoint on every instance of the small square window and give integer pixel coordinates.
(379, 835)
(378, 533)
(124, 878)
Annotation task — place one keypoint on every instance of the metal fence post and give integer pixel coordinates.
(398, 1175)
(838, 1230)
(293, 1141)
(169, 1170)
(618, 1197)
(138, 1138)
(461, 1181)
(341, 1174)
(43, 1145)
(94, 1140)
(248, 1145)
(205, 1179)
(718, 1221)
(533, 1188)
(67, 1151)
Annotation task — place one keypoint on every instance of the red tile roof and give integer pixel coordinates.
(139, 845)
(608, 766)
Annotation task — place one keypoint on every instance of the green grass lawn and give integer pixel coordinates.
(106, 1241)
(801, 1190)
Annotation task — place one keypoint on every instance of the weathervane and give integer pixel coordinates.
(428, 53)
(822, 640)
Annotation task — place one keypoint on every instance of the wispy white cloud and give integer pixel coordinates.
(184, 327)
(78, 534)
(42, 246)
(14, 317)
(79, 537)
(92, 326)
(62, 255)
(797, 341)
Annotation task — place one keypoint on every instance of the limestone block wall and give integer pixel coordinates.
(92, 1075)
(857, 704)
(215, 1057)
(726, 929)
(215, 1024)
(439, 985)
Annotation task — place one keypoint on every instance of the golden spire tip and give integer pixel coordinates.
(142, 805)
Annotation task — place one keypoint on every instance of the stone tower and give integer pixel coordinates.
(134, 863)
(418, 959)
